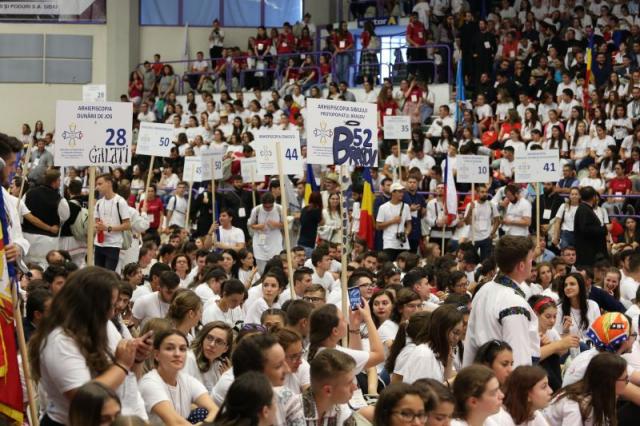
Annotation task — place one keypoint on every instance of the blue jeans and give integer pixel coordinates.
(485, 247)
(107, 257)
(567, 238)
(343, 60)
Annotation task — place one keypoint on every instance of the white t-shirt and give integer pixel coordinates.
(208, 378)
(566, 412)
(388, 211)
(424, 365)
(128, 392)
(268, 242)
(566, 214)
(179, 207)
(388, 330)
(231, 236)
(483, 216)
(518, 210)
(205, 293)
(302, 377)
(424, 164)
(154, 390)
(62, 368)
(575, 371)
(402, 365)
(361, 357)
(326, 281)
(149, 306)
(593, 312)
(628, 288)
(212, 312)
(503, 418)
(111, 212)
(219, 392)
(254, 311)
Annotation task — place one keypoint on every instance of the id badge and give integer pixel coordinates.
(242, 212)
(262, 239)
(546, 214)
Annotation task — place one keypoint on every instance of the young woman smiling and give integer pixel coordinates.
(210, 353)
(168, 392)
(576, 311)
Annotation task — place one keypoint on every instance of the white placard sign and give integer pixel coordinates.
(266, 151)
(155, 139)
(537, 166)
(94, 93)
(397, 127)
(249, 170)
(472, 169)
(192, 169)
(341, 132)
(93, 134)
(208, 158)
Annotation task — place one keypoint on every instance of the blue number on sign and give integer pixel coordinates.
(482, 170)
(164, 141)
(549, 167)
(291, 154)
(218, 165)
(120, 136)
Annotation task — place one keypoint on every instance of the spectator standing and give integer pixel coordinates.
(590, 233)
(266, 221)
(41, 161)
(50, 210)
(416, 39)
(216, 42)
(343, 53)
(112, 219)
(485, 222)
(394, 220)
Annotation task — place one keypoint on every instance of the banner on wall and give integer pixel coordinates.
(54, 10)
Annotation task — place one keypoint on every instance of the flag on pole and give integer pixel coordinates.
(367, 230)
(450, 193)
(459, 92)
(10, 387)
(587, 76)
(310, 185)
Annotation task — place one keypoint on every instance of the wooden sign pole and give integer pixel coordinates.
(285, 213)
(153, 157)
(91, 222)
(188, 216)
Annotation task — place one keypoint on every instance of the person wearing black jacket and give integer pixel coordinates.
(605, 301)
(485, 49)
(590, 233)
(239, 202)
(201, 212)
(77, 249)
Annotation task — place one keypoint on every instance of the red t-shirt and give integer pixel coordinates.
(154, 208)
(388, 108)
(262, 45)
(620, 185)
(344, 41)
(157, 67)
(365, 38)
(416, 33)
(305, 44)
(286, 43)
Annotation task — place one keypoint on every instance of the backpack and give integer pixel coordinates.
(127, 236)
(80, 227)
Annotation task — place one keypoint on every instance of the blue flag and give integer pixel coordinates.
(459, 91)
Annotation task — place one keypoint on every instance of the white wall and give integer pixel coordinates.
(26, 103)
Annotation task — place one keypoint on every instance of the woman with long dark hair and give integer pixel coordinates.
(71, 347)
(249, 402)
(407, 303)
(210, 353)
(576, 311)
(434, 358)
(498, 356)
(592, 400)
(410, 334)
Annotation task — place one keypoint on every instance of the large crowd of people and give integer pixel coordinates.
(195, 312)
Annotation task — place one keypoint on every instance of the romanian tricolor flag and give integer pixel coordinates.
(311, 185)
(367, 221)
(587, 77)
(10, 387)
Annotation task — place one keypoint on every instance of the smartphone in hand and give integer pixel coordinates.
(355, 298)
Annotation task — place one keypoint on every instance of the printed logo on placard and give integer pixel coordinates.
(145, 139)
(323, 132)
(72, 136)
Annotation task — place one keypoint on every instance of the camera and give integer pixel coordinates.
(402, 237)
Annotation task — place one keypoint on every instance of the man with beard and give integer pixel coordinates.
(485, 222)
(590, 233)
(517, 217)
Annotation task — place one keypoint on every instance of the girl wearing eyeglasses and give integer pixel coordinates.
(478, 396)
(298, 379)
(527, 392)
(209, 356)
(592, 400)
(399, 404)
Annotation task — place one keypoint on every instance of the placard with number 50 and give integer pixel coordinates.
(266, 152)
(93, 134)
(537, 166)
(155, 139)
